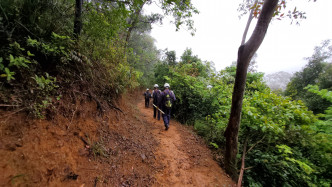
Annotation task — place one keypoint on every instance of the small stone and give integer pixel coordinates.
(60, 143)
(19, 143)
(143, 156)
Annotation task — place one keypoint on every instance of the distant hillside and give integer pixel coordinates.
(278, 80)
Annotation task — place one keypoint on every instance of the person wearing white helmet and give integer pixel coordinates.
(147, 96)
(167, 99)
(156, 93)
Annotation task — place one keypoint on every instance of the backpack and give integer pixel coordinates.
(147, 95)
(156, 96)
(168, 100)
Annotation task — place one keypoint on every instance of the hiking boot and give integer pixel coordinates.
(166, 128)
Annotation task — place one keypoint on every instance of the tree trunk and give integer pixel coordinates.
(245, 53)
(133, 23)
(244, 36)
(78, 18)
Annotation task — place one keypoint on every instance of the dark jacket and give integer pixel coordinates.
(156, 95)
(147, 95)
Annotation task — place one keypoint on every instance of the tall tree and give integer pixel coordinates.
(170, 57)
(317, 71)
(187, 57)
(181, 11)
(134, 18)
(264, 10)
(245, 53)
(78, 18)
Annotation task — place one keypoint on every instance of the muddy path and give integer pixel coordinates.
(183, 158)
(127, 148)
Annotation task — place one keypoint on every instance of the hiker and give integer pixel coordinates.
(147, 96)
(156, 95)
(167, 99)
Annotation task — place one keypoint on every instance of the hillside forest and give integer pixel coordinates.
(52, 50)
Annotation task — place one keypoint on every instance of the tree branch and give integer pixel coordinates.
(4, 105)
(248, 167)
(262, 25)
(248, 24)
(256, 144)
(239, 182)
(26, 29)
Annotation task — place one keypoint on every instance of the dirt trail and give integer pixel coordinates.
(127, 148)
(183, 158)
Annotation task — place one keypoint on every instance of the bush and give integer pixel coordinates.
(287, 145)
(39, 60)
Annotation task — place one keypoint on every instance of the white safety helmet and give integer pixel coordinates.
(147, 89)
(166, 85)
(156, 86)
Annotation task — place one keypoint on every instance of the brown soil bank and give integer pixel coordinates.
(127, 148)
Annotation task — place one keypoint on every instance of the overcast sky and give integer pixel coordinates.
(219, 33)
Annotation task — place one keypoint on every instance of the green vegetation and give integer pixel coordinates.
(42, 62)
(287, 145)
(316, 72)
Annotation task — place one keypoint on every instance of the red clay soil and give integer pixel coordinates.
(120, 148)
(185, 160)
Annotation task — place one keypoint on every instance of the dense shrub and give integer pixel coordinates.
(40, 61)
(287, 146)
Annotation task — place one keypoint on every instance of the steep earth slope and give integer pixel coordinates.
(124, 147)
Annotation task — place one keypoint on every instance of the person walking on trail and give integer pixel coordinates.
(167, 99)
(147, 96)
(156, 95)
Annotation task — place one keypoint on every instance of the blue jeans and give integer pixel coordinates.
(167, 116)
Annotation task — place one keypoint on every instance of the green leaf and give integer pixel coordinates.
(9, 74)
(30, 54)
